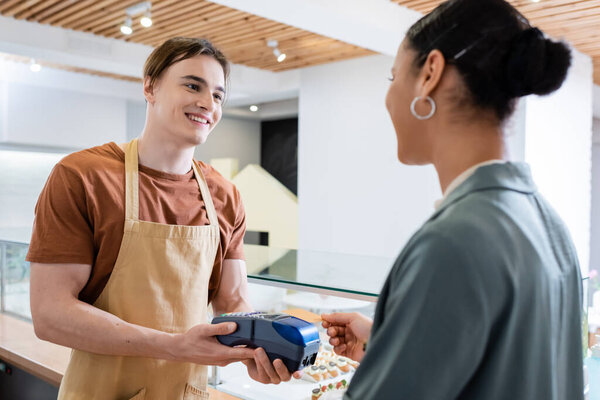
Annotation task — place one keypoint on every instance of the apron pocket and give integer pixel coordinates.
(193, 393)
(141, 395)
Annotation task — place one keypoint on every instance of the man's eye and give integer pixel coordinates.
(193, 86)
(219, 97)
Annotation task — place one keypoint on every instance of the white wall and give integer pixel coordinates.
(62, 109)
(595, 220)
(354, 196)
(62, 118)
(232, 138)
(558, 147)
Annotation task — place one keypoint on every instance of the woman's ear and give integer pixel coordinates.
(149, 90)
(431, 73)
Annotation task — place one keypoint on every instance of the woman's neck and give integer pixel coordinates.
(460, 147)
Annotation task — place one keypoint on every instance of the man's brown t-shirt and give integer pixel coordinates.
(80, 214)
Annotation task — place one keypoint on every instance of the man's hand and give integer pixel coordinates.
(261, 370)
(60, 317)
(199, 345)
(348, 333)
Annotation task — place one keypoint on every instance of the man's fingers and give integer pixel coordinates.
(239, 353)
(224, 328)
(263, 362)
(282, 370)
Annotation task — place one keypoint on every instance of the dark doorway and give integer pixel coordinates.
(279, 151)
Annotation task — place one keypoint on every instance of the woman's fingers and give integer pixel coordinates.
(340, 349)
(336, 331)
(338, 318)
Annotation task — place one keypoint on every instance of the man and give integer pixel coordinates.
(131, 243)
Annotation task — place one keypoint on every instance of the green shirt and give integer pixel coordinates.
(484, 302)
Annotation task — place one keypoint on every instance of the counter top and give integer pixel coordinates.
(48, 361)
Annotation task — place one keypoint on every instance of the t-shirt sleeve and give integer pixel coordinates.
(434, 328)
(235, 248)
(62, 232)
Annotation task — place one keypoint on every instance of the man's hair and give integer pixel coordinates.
(177, 49)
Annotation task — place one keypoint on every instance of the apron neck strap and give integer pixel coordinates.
(132, 210)
(132, 203)
(208, 203)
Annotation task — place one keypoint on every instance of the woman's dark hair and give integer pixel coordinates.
(495, 49)
(178, 49)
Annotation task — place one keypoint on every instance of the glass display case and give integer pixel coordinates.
(280, 280)
(14, 279)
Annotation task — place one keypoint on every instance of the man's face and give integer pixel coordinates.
(187, 99)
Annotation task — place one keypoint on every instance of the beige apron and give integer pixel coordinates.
(160, 281)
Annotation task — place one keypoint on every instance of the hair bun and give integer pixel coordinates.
(536, 65)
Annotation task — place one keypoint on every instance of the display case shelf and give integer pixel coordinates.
(341, 275)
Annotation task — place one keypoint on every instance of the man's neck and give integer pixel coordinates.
(164, 155)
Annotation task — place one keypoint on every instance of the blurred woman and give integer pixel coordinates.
(484, 302)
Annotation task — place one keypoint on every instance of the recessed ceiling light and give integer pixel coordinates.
(253, 108)
(34, 66)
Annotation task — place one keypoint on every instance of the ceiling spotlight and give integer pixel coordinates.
(126, 27)
(34, 66)
(253, 108)
(137, 9)
(280, 56)
(146, 20)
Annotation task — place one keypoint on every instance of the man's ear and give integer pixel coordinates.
(431, 73)
(149, 90)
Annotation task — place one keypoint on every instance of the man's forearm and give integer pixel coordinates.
(232, 295)
(236, 305)
(82, 326)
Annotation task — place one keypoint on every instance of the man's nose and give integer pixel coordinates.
(205, 101)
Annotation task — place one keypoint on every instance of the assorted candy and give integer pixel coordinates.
(328, 365)
(318, 392)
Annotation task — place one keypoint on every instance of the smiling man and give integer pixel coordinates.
(132, 242)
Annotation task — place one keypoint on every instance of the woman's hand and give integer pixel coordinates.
(348, 333)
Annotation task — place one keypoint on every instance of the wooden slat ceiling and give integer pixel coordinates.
(240, 35)
(577, 22)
